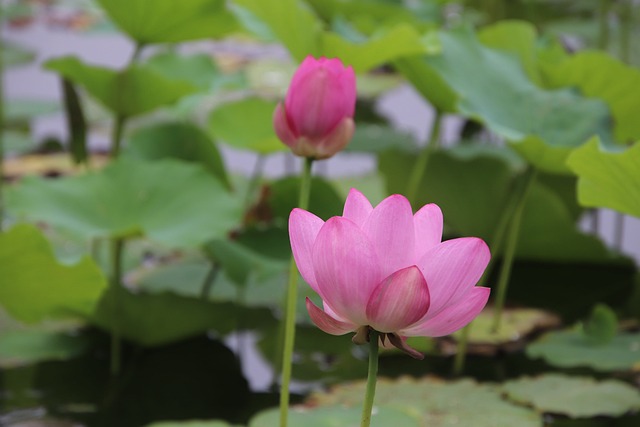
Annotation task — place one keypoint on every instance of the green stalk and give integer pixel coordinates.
(117, 247)
(626, 20)
(116, 136)
(496, 242)
(423, 159)
(1, 125)
(603, 19)
(618, 233)
(510, 247)
(209, 280)
(290, 312)
(372, 376)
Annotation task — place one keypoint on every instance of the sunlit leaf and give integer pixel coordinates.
(35, 286)
(161, 21)
(198, 69)
(610, 180)
(130, 92)
(178, 140)
(171, 202)
(246, 124)
(577, 397)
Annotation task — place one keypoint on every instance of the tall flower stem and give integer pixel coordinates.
(423, 159)
(290, 313)
(510, 246)
(626, 21)
(496, 243)
(372, 376)
(117, 248)
(1, 126)
(603, 19)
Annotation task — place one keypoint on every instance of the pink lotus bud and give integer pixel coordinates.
(316, 119)
(387, 269)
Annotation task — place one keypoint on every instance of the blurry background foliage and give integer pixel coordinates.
(181, 217)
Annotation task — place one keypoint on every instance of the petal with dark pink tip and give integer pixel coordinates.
(327, 323)
(453, 317)
(398, 301)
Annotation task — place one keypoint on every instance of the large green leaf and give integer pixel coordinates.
(161, 21)
(198, 69)
(35, 286)
(437, 403)
(577, 397)
(290, 21)
(610, 180)
(571, 348)
(171, 202)
(246, 124)
(598, 75)
(542, 125)
(130, 92)
(401, 40)
(335, 416)
(183, 141)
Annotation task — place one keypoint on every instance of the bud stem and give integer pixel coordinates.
(372, 377)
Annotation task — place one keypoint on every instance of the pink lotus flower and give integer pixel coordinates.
(316, 119)
(387, 269)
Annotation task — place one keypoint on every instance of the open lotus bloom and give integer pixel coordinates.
(316, 119)
(388, 269)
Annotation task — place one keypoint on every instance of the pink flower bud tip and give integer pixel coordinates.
(316, 119)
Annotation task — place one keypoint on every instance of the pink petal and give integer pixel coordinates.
(453, 317)
(428, 226)
(398, 301)
(346, 268)
(327, 323)
(390, 229)
(357, 207)
(336, 140)
(303, 230)
(282, 127)
(451, 269)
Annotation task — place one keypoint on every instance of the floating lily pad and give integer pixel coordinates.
(35, 286)
(23, 110)
(130, 92)
(571, 348)
(605, 179)
(334, 416)
(33, 346)
(191, 424)
(171, 202)
(516, 326)
(436, 403)
(577, 397)
(165, 21)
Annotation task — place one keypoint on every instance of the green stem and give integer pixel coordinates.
(1, 125)
(256, 175)
(626, 20)
(117, 247)
(372, 376)
(290, 312)
(603, 19)
(116, 136)
(496, 242)
(209, 280)
(510, 247)
(618, 231)
(423, 159)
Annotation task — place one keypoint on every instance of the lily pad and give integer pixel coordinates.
(23, 110)
(246, 124)
(165, 21)
(570, 349)
(35, 286)
(334, 416)
(436, 403)
(130, 92)
(610, 180)
(516, 326)
(577, 397)
(178, 140)
(171, 202)
(33, 346)
(190, 424)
